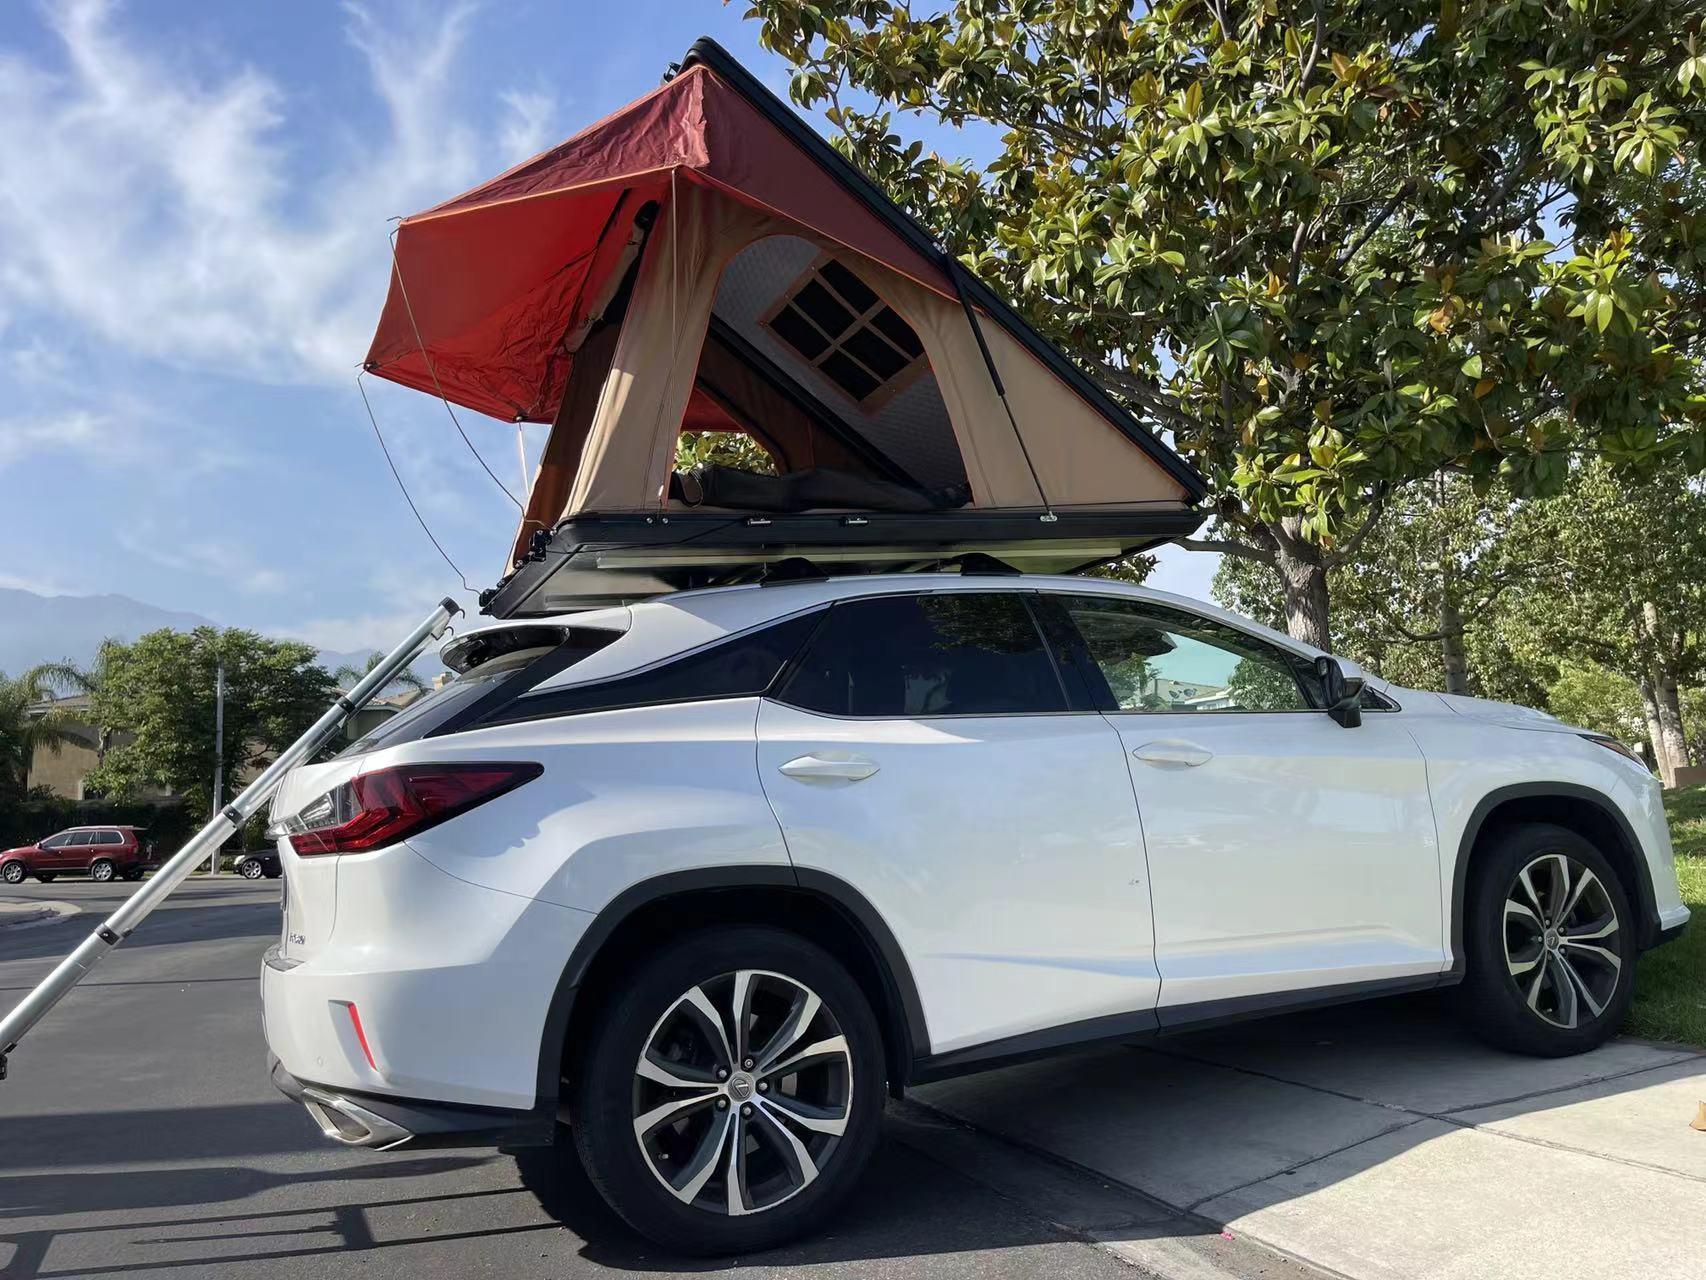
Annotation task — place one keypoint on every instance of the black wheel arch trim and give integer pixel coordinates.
(1645, 903)
(885, 952)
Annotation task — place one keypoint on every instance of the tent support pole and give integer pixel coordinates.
(957, 274)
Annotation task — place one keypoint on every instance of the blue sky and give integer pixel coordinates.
(193, 214)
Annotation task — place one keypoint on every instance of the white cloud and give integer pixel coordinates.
(99, 436)
(529, 127)
(226, 560)
(157, 203)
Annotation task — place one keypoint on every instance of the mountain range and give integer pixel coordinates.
(38, 628)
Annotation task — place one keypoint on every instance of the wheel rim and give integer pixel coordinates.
(742, 1092)
(102, 871)
(1561, 936)
(13, 873)
(251, 871)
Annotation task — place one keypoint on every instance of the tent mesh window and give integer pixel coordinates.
(838, 325)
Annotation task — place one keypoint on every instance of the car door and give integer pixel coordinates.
(1286, 853)
(925, 751)
(52, 853)
(78, 851)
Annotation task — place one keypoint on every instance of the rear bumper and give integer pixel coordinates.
(384, 1123)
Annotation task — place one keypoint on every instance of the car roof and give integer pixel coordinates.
(671, 624)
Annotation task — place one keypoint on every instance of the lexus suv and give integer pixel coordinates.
(101, 853)
(704, 878)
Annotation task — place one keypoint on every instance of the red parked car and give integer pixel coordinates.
(103, 853)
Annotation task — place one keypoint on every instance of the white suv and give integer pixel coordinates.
(708, 876)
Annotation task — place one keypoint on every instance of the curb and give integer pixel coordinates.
(43, 913)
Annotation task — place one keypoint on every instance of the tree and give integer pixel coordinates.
(25, 727)
(1589, 695)
(1624, 585)
(1311, 241)
(68, 677)
(348, 675)
(161, 691)
(722, 449)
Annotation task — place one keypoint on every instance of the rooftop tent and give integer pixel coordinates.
(702, 261)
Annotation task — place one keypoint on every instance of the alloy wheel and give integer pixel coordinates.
(12, 873)
(1560, 931)
(101, 871)
(743, 1092)
(251, 871)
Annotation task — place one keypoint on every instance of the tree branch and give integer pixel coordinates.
(1348, 548)
(1380, 218)
(1226, 546)
(1126, 383)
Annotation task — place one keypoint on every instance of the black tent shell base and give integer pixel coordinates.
(593, 561)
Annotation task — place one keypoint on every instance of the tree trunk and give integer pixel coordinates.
(1669, 707)
(1655, 734)
(1453, 656)
(1666, 703)
(1303, 583)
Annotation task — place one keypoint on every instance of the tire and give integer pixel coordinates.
(12, 873)
(655, 1015)
(102, 869)
(250, 869)
(46, 877)
(135, 873)
(1529, 988)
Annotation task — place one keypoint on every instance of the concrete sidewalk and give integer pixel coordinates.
(1383, 1143)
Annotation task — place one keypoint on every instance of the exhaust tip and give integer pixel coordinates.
(351, 1124)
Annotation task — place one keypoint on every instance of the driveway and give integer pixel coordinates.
(139, 1136)
(1382, 1142)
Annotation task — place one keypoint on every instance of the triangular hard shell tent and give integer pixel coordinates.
(702, 260)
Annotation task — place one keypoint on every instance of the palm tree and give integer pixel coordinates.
(24, 728)
(66, 677)
(408, 678)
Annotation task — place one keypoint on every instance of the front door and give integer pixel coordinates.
(56, 852)
(925, 752)
(1285, 851)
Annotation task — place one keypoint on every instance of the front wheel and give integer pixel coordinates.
(12, 873)
(1551, 943)
(101, 869)
(732, 1094)
(251, 869)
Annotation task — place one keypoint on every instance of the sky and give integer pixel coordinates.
(194, 205)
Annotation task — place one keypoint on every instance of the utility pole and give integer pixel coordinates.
(218, 752)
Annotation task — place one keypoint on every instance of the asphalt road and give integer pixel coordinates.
(139, 1136)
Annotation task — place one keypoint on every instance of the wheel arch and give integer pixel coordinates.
(818, 906)
(1591, 814)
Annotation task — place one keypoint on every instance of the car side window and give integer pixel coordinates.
(111, 837)
(951, 653)
(1168, 661)
(56, 842)
(81, 839)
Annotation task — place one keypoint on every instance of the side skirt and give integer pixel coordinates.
(1152, 1024)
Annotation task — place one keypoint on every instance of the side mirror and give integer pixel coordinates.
(1342, 695)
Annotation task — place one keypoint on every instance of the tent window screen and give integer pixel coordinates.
(834, 322)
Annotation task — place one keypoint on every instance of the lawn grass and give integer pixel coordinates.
(1670, 986)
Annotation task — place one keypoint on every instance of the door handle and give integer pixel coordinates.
(1173, 751)
(812, 768)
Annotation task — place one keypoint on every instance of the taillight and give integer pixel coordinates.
(380, 808)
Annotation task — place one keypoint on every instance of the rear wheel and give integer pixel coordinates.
(1551, 943)
(251, 869)
(102, 869)
(135, 873)
(12, 873)
(732, 1094)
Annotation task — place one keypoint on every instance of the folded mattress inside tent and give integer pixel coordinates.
(702, 262)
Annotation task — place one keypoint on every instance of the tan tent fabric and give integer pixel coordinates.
(1082, 460)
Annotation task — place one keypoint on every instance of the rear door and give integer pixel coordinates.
(1285, 852)
(925, 751)
(78, 851)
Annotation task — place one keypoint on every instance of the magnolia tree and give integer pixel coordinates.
(1330, 249)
